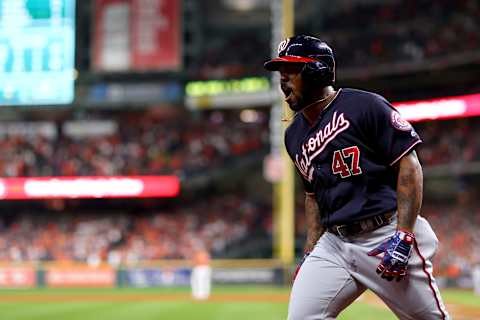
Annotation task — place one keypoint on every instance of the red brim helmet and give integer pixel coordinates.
(301, 49)
(275, 63)
(315, 55)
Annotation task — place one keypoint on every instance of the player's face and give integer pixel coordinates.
(292, 85)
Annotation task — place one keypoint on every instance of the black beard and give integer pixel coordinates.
(305, 100)
(297, 106)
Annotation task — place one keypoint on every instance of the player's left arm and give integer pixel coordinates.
(397, 249)
(397, 143)
(409, 191)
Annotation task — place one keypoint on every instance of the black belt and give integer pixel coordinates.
(361, 226)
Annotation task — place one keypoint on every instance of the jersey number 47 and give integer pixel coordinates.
(341, 164)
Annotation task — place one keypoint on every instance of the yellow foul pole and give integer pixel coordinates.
(284, 193)
(287, 184)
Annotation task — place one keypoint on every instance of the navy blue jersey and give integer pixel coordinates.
(347, 157)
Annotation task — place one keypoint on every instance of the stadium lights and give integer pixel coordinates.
(249, 116)
(244, 5)
(440, 108)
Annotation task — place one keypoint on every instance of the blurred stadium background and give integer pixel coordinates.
(136, 132)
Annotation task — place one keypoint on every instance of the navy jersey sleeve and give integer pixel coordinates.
(392, 136)
(307, 185)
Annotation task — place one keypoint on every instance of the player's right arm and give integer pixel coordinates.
(312, 212)
(314, 227)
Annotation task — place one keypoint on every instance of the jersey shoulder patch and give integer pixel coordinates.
(399, 123)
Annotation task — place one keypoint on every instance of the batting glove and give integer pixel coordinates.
(397, 251)
(299, 265)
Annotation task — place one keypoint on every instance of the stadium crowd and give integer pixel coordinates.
(403, 31)
(456, 225)
(214, 223)
(457, 228)
(392, 32)
(449, 142)
(147, 147)
(169, 148)
(121, 238)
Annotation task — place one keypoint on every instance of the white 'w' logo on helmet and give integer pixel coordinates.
(283, 45)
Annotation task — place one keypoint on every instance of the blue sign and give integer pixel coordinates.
(137, 93)
(158, 277)
(37, 51)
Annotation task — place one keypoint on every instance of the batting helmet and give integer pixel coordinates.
(316, 55)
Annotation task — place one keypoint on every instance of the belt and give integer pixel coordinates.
(361, 226)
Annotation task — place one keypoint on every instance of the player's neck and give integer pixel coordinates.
(319, 102)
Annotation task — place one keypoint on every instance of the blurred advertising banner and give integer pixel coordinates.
(229, 93)
(28, 129)
(247, 275)
(114, 94)
(137, 35)
(17, 277)
(440, 108)
(155, 277)
(73, 276)
(155, 32)
(89, 187)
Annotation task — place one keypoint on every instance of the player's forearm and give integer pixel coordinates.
(409, 191)
(314, 227)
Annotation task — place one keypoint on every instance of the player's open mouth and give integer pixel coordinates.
(287, 97)
(287, 92)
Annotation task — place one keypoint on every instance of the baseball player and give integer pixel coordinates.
(363, 183)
